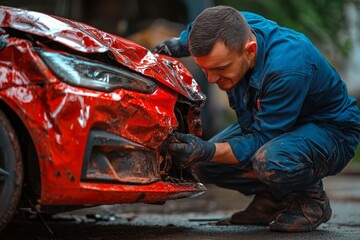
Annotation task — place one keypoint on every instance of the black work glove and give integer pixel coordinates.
(187, 149)
(170, 47)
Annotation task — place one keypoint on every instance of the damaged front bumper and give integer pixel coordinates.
(111, 158)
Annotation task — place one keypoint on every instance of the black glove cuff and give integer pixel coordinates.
(209, 151)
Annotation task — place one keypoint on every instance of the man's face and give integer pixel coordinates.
(223, 67)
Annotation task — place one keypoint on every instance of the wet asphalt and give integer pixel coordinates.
(190, 218)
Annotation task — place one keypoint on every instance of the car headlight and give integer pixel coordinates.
(86, 73)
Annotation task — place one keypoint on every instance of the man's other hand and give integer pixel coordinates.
(188, 149)
(170, 47)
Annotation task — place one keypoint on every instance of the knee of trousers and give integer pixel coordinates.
(283, 169)
(206, 172)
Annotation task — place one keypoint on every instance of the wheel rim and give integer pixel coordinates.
(4, 174)
(11, 171)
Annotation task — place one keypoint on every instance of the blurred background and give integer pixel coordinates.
(333, 25)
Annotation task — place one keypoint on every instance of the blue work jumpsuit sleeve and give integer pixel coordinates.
(280, 102)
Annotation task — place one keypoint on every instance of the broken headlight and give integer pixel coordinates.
(86, 73)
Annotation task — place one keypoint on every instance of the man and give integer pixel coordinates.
(296, 123)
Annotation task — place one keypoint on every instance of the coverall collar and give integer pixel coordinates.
(255, 79)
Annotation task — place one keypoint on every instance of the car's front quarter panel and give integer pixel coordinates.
(60, 117)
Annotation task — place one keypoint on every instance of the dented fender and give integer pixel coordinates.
(61, 118)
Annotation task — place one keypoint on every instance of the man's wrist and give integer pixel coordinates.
(224, 154)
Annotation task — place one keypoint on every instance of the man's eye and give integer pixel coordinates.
(221, 68)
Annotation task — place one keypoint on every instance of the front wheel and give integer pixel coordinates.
(11, 171)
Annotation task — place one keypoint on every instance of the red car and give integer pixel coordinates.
(85, 117)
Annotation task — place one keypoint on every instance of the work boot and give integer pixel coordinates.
(305, 212)
(261, 211)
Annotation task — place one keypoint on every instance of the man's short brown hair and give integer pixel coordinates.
(219, 23)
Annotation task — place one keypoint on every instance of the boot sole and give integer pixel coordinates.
(259, 222)
(291, 228)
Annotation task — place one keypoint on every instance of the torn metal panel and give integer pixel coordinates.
(84, 38)
(123, 165)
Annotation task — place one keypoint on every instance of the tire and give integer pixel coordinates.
(11, 171)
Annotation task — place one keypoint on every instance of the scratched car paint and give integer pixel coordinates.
(85, 117)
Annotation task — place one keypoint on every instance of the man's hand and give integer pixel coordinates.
(188, 149)
(170, 47)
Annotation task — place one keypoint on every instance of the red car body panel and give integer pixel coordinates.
(59, 117)
(84, 38)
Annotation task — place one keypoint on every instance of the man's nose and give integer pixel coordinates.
(213, 78)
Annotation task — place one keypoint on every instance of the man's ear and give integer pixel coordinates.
(251, 48)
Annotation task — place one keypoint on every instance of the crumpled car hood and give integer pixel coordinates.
(84, 38)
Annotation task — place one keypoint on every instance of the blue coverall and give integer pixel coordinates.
(296, 122)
